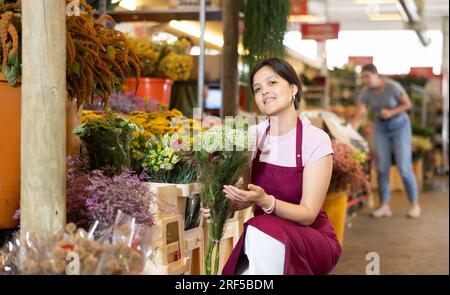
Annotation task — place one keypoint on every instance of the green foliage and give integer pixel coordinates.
(407, 80)
(422, 131)
(265, 27)
(106, 142)
(220, 160)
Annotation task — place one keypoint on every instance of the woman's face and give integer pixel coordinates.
(273, 94)
(369, 79)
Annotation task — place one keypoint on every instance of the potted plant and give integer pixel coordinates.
(162, 64)
(10, 108)
(348, 178)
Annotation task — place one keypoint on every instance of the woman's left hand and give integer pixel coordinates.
(255, 194)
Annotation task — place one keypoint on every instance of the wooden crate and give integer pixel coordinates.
(185, 191)
(167, 198)
(195, 250)
(169, 239)
(169, 232)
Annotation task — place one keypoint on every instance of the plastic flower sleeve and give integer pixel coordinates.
(192, 212)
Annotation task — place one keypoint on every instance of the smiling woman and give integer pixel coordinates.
(287, 186)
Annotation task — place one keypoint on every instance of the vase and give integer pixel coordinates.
(151, 88)
(10, 119)
(335, 206)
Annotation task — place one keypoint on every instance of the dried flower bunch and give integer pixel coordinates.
(110, 253)
(98, 58)
(10, 28)
(91, 196)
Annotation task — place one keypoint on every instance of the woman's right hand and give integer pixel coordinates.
(206, 214)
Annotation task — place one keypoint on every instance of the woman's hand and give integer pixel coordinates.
(206, 214)
(385, 114)
(255, 195)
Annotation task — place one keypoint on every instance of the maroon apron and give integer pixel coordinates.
(310, 249)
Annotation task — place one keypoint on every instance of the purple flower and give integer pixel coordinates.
(127, 102)
(91, 196)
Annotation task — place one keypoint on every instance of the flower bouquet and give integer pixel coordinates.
(163, 59)
(348, 174)
(221, 153)
(107, 142)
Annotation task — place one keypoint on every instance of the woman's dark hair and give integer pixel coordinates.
(284, 70)
(371, 68)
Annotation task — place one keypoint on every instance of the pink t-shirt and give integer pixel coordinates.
(280, 150)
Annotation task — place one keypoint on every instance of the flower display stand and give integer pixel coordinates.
(169, 239)
(194, 238)
(169, 233)
(195, 249)
(185, 191)
(335, 206)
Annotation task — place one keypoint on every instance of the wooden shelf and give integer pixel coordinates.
(165, 15)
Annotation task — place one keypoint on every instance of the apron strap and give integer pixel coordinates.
(299, 141)
(261, 143)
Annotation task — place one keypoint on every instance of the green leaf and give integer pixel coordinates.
(75, 68)
(111, 52)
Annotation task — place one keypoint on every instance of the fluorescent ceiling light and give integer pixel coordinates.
(385, 17)
(194, 30)
(128, 4)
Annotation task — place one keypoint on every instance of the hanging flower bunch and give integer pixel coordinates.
(10, 40)
(348, 174)
(98, 58)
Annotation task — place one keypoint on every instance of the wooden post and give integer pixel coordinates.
(229, 79)
(43, 128)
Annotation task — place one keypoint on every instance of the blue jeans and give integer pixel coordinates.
(394, 136)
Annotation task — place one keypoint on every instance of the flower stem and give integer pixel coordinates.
(216, 262)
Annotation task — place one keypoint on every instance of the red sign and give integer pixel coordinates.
(299, 7)
(319, 32)
(360, 60)
(426, 72)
